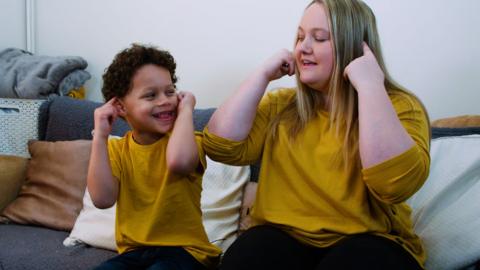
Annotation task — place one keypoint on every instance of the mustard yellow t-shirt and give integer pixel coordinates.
(154, 206)
(303, 191)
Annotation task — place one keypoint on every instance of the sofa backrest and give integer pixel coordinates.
(65, 119)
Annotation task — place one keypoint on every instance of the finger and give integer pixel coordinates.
(285, 68)
(114, 111)
(366, 49)
(112, 101)
(112, 119)
(179, 95)
(291, 70)
(345, 72)
(291, 62)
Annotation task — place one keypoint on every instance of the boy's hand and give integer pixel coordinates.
(279, 65)
(185, 100)
(104, 117)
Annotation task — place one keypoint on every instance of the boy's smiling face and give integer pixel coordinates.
(150, 107)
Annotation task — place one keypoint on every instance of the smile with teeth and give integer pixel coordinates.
(308, 63)
(165, 116)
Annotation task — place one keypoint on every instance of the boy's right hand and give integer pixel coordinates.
(279, 65)
(104, 117)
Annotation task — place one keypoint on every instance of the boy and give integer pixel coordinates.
(154, 172)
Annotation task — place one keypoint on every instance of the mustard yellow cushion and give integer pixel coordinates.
(12, 176)
(458, 121)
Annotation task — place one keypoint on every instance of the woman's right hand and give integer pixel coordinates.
(280, 64)
(104, 117)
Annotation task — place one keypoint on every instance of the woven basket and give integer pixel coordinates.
(18, 125)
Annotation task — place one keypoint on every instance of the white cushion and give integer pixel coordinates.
(446, 210)
(220, 202)
(94, 227)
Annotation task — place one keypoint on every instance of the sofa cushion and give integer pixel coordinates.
(94, 226)
(37, 248)
(456, 126)
(458, 121)
(445, 209)
(12, 176)
(52, 193)
(221, 200)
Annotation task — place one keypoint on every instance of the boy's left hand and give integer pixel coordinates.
(185, 100)
(364, 72)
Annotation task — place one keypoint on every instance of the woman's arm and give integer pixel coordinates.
(102, 185)
(381, 133)
(233, 119)
(182, 152)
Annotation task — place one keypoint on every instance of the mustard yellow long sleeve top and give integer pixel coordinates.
(318, 202)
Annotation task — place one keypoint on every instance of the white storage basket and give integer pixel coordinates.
(18, 125)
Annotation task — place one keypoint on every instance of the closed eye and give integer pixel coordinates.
(170, 92)
(149, 95)
(320, 39)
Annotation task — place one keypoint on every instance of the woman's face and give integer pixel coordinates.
(314, 48)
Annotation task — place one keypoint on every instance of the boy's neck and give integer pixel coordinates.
(146, 139)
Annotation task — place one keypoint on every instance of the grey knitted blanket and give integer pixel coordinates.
(24, 75)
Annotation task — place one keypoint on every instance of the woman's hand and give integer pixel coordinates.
(104, 117)
(364, 72)
(279, 65)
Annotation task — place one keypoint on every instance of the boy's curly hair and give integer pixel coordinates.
(117, 79)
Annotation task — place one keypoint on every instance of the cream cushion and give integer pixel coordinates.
(446, 212)
(94, 227)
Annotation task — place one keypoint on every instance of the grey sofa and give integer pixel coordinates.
(63, 118)
(32, 247)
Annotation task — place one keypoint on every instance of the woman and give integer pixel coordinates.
(340, 153)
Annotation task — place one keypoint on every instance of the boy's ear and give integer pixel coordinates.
(120, 106)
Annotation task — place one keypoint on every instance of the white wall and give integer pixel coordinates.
(12, 24)
(430, 46)
(433, 48)
(216, 43)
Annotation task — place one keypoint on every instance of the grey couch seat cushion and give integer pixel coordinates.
(28, 247)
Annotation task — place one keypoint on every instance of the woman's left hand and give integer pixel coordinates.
(364, 72)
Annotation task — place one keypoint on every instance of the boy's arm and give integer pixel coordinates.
(102, 185)
(182, 152)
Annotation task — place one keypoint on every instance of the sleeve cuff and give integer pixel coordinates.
(395, 179)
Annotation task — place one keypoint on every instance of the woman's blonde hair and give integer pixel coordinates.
(351, 23)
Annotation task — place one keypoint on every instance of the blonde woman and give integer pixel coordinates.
(340, 153)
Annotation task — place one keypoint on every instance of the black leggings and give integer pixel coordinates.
(267, 247)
